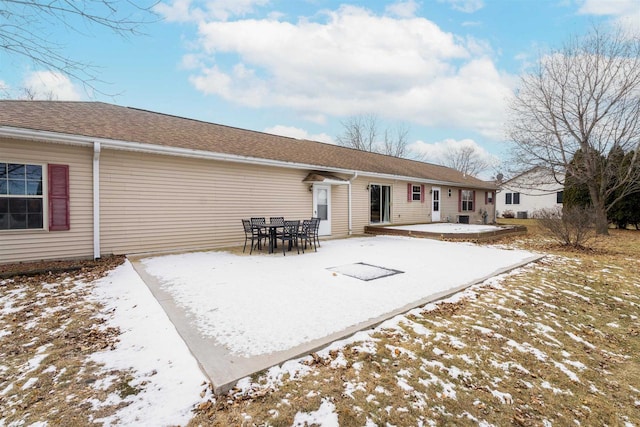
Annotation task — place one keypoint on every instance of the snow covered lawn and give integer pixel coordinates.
(261, 304)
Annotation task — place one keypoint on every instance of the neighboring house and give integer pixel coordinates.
(528, 192)
(85, 179)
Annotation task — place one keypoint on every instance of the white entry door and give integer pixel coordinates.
(435, 204)
(322, 207)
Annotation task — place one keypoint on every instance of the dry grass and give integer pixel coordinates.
(554, 343)
(48, 330)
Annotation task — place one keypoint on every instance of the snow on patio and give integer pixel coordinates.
(261, 303)
(447, 228)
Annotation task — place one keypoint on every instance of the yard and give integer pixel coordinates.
(555, 343)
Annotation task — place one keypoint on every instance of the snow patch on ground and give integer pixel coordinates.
(447, 228)
(325, 416)
(167, 375)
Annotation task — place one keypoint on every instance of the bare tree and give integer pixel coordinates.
(583, 98)
(396, 143)
(466, 159)
(362, 133)
(25, 29)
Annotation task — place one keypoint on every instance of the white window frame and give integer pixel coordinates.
(43, 196)
(416, 190)
(466, 201)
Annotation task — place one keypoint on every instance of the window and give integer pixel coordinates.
(559, 196)
(415, 192)
(488, 197)
(466, 200)
(21, 200)
(512, 198)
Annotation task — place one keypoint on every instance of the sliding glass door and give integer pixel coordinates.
(380, 197)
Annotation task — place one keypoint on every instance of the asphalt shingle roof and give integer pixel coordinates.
(108, 121)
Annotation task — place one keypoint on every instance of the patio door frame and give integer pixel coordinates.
(436, 204)
(325, 224)
(384, 205)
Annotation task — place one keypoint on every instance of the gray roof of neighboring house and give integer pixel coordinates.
(112, 122)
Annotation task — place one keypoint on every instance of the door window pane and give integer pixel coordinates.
(380, 203)
(322, 204)
(374, 195)
(323, 212)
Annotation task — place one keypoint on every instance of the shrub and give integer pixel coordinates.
(508, 214)
(573, 226)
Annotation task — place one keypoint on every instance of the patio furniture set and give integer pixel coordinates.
(296, 233)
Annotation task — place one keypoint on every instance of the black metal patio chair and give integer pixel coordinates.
(276, 220)
(290, 235)
(250, 233)
(306, 234)
(316, 229)
(258, 223)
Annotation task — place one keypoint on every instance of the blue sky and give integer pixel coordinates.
(444, 69)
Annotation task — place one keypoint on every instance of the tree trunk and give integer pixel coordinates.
(602, 224)
(600, 212)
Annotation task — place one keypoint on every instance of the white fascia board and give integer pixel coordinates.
(61, 138)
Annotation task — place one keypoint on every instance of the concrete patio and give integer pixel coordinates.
(241, 314)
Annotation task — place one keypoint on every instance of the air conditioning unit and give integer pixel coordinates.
(522, 215)
(463, 219)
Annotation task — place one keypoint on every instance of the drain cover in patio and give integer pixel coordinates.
(363, 271)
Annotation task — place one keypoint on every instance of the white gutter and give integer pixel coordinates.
(355, 175)
(96, 200)
(61, 138)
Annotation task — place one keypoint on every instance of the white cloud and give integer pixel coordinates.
(51, 85)
(294, 132)
(351, 61)
(466, 6)
(625, 13)
(403, 9)
(436, 152)
(190, 11)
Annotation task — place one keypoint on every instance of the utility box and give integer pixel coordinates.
(522, 215)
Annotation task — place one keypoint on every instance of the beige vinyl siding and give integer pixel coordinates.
(448, 205)
(359, 205)
(410, 212)
(35, 245)
(339, 210)
(161, 203)
(489, 207)
(402, 211)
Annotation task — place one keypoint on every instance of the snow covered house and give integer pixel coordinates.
(85, 179)
(528, 192)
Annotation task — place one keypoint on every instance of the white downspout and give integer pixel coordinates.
(96, 200)
(355, 175)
